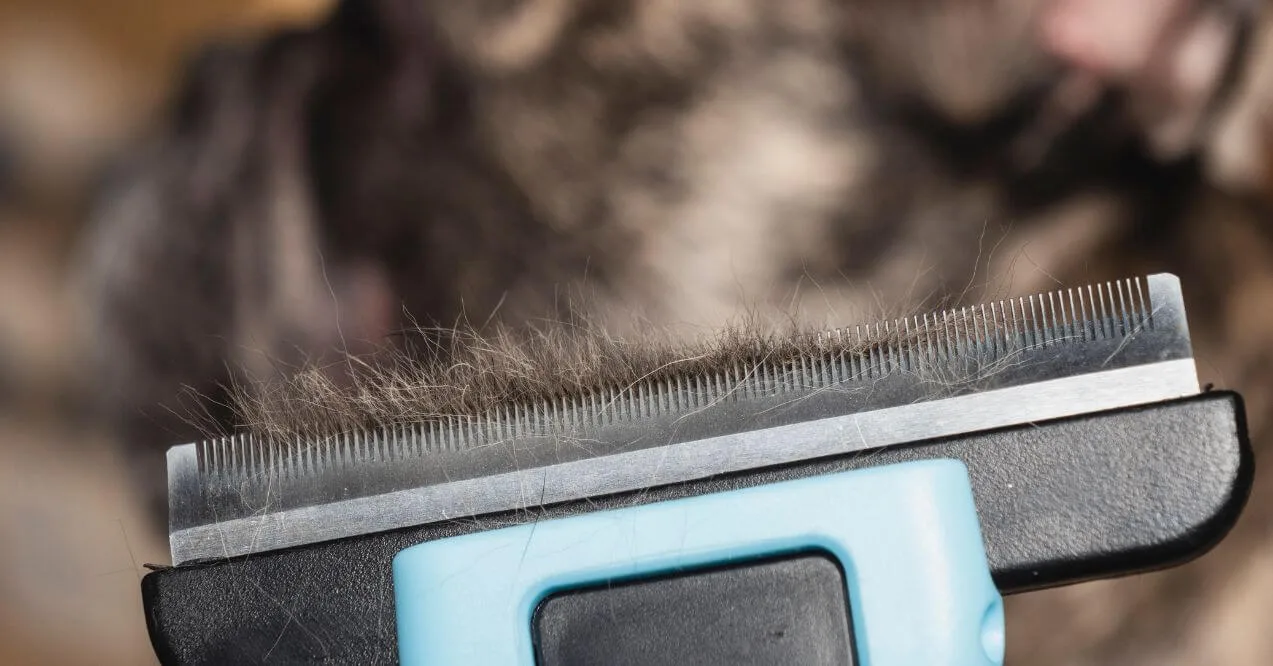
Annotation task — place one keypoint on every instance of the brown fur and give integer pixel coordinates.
(466, 373)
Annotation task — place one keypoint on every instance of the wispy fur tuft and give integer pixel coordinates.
(464, 372)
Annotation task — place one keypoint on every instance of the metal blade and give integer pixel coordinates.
(1006, 363)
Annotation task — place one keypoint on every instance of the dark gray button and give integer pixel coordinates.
(792, 610)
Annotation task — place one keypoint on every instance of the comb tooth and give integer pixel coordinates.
(1107, 324)
(1115, 321)
(1013, 321)
(972, 333)
(868, 353)
(1035, 329)
(877, 354)
(1081, 319)
(905, 346)
(947, 342)
(237, 461)
(275, 456)
(1067, 315)
(1052, 331)
(1062, 317)
(882, 349)
(964, 333)
(825, 377)
(981, 323)
(1116, 312)
(1124, 300)
(926, 340)
(1051, 325)
(913, 351)
(260, 457)
(888, 348)
(978, 331)
(998, 345)
(247, 458)
(1093, 315)
(260, 462)
(1078, 314)
(971, 336)
(935, 334)
(1146, 315)
(1094, 307)
(1028, 339)
(837, 363)
(212, 453)
(316, 451)
(319, 452)
(892, 351)
(269, 461)
(998, 325)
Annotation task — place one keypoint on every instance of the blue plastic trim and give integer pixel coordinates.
(906, 535)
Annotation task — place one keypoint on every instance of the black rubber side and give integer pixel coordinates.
(1092, 496)
(791, 610)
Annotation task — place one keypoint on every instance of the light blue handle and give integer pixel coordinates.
(906, 535)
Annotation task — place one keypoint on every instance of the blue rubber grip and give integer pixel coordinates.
(906, 535)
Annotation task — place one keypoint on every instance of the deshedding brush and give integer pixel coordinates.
(1077, 413)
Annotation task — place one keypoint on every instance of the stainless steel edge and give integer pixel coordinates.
(684, 461)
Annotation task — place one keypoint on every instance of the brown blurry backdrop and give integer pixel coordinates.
(77, 79)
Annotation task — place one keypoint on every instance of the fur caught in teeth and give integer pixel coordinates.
(464, 373)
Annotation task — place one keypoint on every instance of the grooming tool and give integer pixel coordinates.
(1088, 447)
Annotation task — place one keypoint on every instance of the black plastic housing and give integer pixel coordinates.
(1092, 496)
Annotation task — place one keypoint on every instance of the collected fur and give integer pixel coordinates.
(463, 372)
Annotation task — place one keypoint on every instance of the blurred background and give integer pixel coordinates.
(80, 80)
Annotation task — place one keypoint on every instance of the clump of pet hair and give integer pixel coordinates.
(464, 372)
